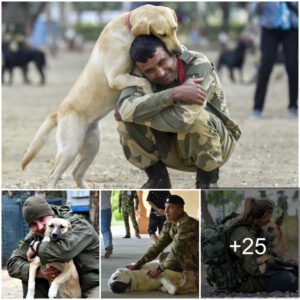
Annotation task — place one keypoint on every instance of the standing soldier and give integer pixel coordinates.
(183, 232)
(126, 204)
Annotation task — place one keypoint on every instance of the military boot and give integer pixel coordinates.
(207, 180)
(158, 177)
(188, 285)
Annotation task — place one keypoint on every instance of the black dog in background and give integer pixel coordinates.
(234, 59)
(21, 58)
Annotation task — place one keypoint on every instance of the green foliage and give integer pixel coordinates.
(89, 32)
(228, 198)
(98, 6)
(117, 216)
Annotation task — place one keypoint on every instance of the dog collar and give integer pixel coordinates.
(181, 73)
(127, 21)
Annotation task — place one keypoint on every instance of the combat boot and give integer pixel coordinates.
(207, 180)
(158, 177)
(188, 285)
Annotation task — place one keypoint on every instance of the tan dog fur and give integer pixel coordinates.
(67, 282)
(97, 89)
(278, 245)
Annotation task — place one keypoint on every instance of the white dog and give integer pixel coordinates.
(67, 282)
(126, 280)
(98, 88)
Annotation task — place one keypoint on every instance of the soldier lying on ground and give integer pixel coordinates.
(183, 232)
(184, 124)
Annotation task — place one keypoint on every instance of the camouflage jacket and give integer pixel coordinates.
(185, 237)
(158, 111)
(126, 201)
(256, 281)
(81, 244)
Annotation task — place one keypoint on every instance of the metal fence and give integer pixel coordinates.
(14, 227)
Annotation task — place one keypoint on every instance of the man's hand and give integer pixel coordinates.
(190, 92)
(49, 273)
(154, 273)
(31, 253)
(132, 267)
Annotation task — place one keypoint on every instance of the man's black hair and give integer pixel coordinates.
(144, 47)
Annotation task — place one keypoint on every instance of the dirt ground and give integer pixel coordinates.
(266, 155)
(11, 287)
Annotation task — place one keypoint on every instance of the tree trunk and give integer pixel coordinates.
(208, 220)
(94, 209)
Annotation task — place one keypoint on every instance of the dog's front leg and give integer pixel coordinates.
(68, 272)
(32, 274)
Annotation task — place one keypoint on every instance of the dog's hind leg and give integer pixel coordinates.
(32, 274)
(87, 153)
(69, 137)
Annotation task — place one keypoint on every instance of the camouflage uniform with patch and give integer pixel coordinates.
(184, 254)
(182, 136)
(126, 205)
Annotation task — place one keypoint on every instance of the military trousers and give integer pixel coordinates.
(130, 213)
(203, 147)
(188, 261)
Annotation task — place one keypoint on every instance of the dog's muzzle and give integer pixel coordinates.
(177, 51)
(119, 286)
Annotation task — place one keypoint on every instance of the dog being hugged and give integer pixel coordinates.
(66, 284)
(98, 88)
(126, 280)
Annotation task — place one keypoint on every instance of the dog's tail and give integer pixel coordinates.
(40, 139)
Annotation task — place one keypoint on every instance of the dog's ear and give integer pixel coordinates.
(175, 16)
(142, 27)
(279, 220)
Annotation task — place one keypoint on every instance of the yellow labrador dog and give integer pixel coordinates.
(124, 280)
(98, 88)
(67, 282)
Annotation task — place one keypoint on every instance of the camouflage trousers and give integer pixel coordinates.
(126, 214)
(188, 261)
(202, 146)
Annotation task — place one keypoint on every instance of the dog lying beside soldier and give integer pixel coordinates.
(177, 271)
(250, 267)
(60, 238)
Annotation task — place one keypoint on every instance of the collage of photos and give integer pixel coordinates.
(150, 150)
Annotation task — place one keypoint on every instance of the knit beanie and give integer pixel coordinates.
(36, 207)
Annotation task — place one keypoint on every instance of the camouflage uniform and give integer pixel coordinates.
(126, 204)
(182, 136)
(184, 255)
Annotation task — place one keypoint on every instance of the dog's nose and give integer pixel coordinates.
(177, 51)
(118, 287)
(54, 235)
